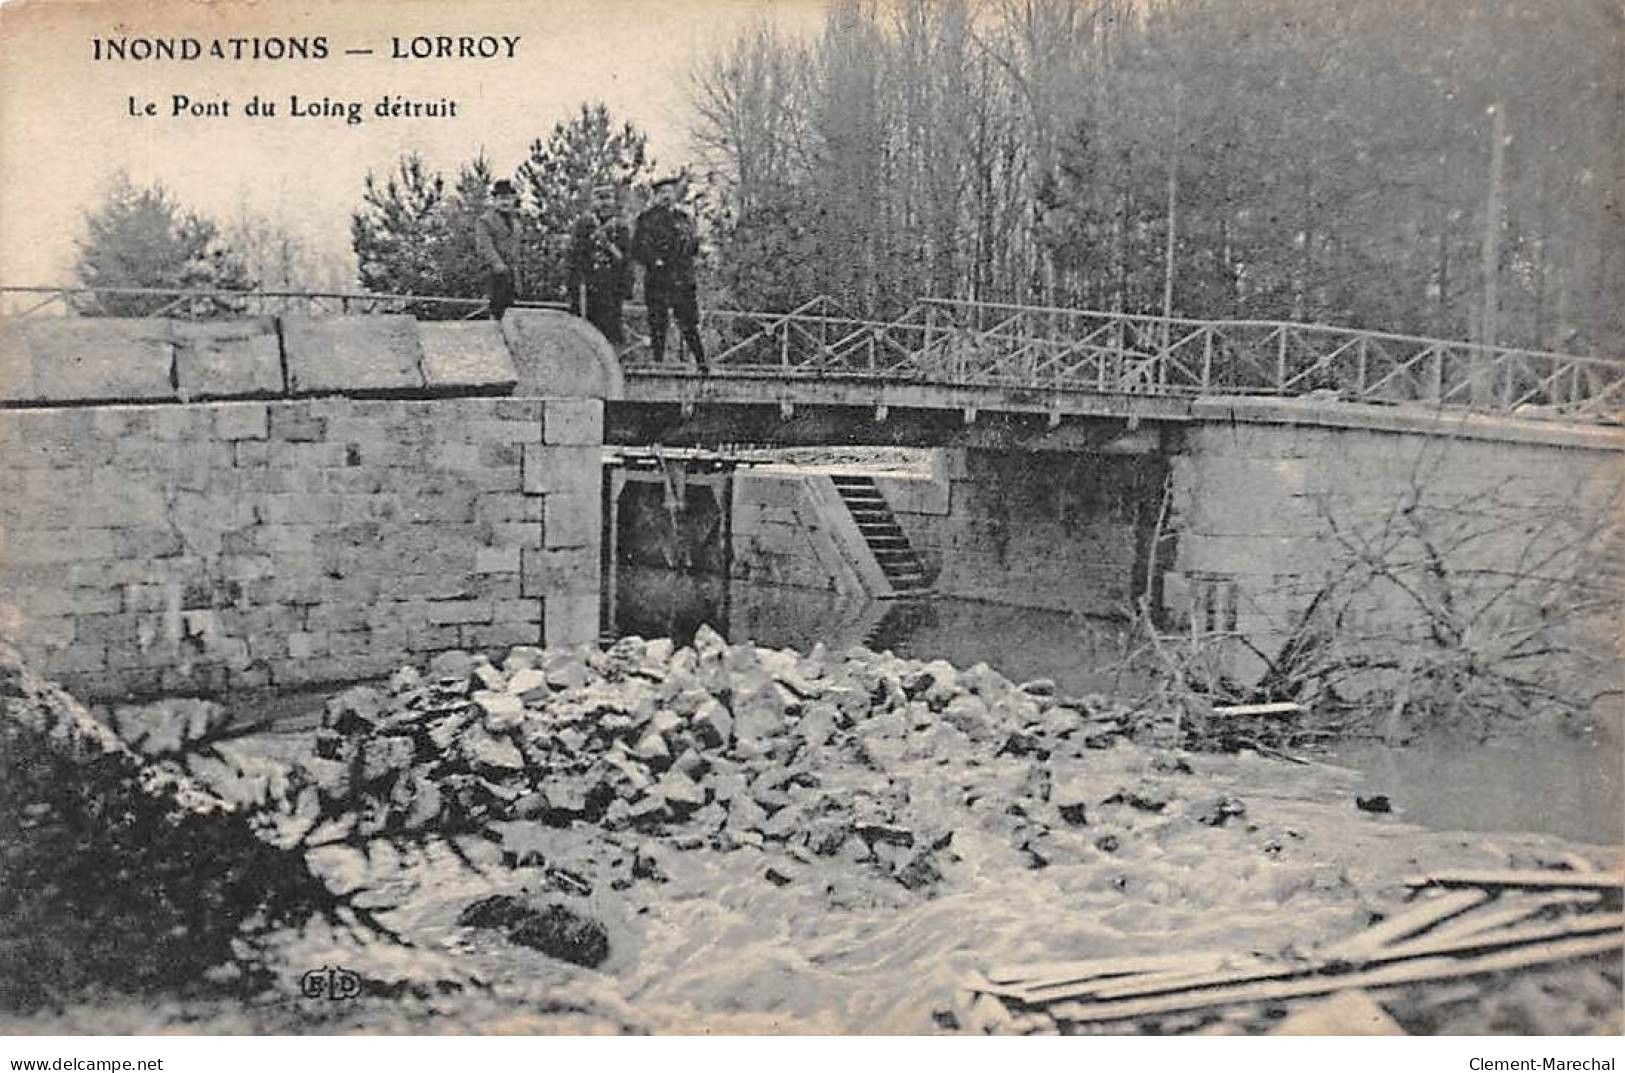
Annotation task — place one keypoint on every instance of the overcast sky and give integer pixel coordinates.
(66, 127)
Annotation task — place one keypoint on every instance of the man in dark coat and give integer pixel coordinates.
(599, 276)
(665, 243)
(496, 240)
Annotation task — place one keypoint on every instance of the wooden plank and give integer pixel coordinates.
(1535, 933)
(1408, 972)
(1409, 921)
(1510, 909)
(1534, 879)
(1088, 969)
(1167, 980)
(1573, 927)
(1285, 707)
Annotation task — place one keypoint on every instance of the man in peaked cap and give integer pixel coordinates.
(665, 243)
(599, 266)
(496, 240)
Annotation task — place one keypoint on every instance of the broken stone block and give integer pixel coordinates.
(819, 721)
(343, 869)
(727, 785)
(567, 794)
(824, 835)
(1217, 811)
(713, 725)
(489, 677)
(651, 809)
(665, 721)
(529, 685)
(884, 725)
(503, 711)
(1071, 796)
(709, 642)
(759, 712)
(679, 791)
(355, 711)
(652, 748)
(485, 750)
(1145, 795)
(711, 818)
(565, 669)
(381, 756)
(331, 777)
(692, 764)
(744, 814)
(404, 680)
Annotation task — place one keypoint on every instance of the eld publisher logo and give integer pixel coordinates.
(337, 984)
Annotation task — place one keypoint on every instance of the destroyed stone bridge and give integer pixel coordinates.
(294, 495)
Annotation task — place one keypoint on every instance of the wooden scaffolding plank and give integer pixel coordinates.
(1166, 980)
(1510, 909)
(1090, 968)
(1410, 921)
(1417, 948)
(1408, 972)
(1533, 879)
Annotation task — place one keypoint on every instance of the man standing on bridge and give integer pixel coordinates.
(496, 240)
(599, 266)
(665, 243)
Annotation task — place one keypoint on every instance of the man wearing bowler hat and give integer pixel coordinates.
(599, 265)
(665, 243)
(496, 239)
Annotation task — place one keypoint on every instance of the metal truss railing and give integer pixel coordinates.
(961, 343)
(987, 344)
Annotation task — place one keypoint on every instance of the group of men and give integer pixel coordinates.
(599, 273)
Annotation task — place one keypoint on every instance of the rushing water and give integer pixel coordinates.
(1562, 784)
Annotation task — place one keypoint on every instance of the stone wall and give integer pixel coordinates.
(1265, 516)
(184, 547)
(790, 528)
(1063, 531)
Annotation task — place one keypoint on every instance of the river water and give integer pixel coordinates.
(1566, 784)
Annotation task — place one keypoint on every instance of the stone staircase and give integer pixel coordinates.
(889, 544)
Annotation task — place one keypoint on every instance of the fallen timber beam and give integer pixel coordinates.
(1545, 879)
(1413, 920)
(1277, 708)
(1510, 909)
(1053, 972)
(1511, 937)
(1409, 972)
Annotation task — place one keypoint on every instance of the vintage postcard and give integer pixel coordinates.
(813, 517)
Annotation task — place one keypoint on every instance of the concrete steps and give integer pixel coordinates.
(889, 544)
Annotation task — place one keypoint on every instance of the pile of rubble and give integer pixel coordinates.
(720, 746)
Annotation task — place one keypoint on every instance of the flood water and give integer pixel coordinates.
(1555, 783)
(1082, 654)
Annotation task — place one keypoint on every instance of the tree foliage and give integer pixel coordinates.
(141, 237)
(1316, 160)
(414, 231)
(556, 182)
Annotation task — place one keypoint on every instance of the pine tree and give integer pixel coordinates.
(141, 237)
(556, 183)
(400, 233)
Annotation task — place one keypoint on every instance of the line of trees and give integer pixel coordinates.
(142, 237)
(1451, 168)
